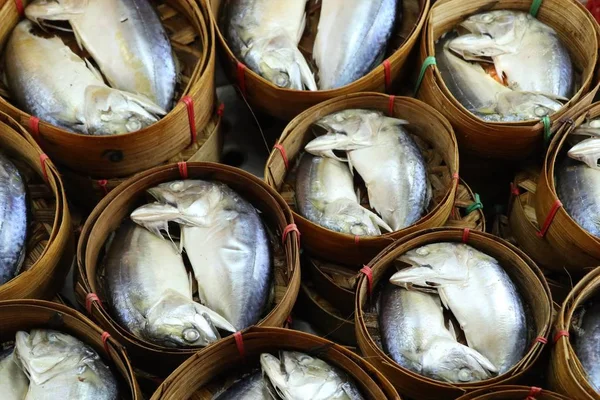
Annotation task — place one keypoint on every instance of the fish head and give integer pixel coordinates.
(526, 105)
(347, 216)
(156, 217)
(497, 24)
(475, 47)
(281, 63)
(589, 128)
(111, 112)
(587, 151)
(185, 193)
(450, 361)
(54, 10)
(275, 371)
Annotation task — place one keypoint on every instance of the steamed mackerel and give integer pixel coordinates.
(151, 293)
(52, 83)
(13, 381)
(325, 195)
(413, 333)
(124, 37)
(13, 219)
(587, 342)
(251, 387)
(385, 156)
(225, 240)
(480, 294)
(60, 366)
(265, 35)
(351, 39)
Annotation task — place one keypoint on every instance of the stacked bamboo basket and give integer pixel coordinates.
(93, 165)
(513, 393)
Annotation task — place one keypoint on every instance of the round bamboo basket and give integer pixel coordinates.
(566, 373)
(192, 38)
(16, 315)
(202, 376)
(563, 233)
(88, 191)
(286, 103)
(119, 203)
(433, 134)
(577, 30)
(50, 245)
(513, 393)
(524, 273)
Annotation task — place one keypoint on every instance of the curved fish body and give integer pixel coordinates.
(587, 343)
(13, 219)
(298, 376)
(578, 188)
(325, 195)
(265, 35)
(414, 334)
(226, 242)
(14, 384)
(351, 39)
(52, 83)
(151, 293)
(60, 366)
(386, 158)
(124, 37)
(480, 294)
(252, 387)
(526, 51)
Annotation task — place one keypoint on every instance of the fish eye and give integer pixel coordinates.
(191, 335)
(540, 111)
(464, 375)
(422, 251)
(282, 80)
(133, 125)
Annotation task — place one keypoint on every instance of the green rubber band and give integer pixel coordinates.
(535, 7)
(547, 130)
(429, 61)
(477, 205)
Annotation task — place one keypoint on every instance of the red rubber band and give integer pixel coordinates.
(287, 230)
(239, 342)
(286, 162)
(20, 8)
(560, 334)
(555, 207)
(183, 169)
(43, 159)
(241, 77)
(387, 73)
(221, 110)
(541, 339)
(534, 392)
(356, 239)
(105, 336)
(465, 236)
(289, 321)
(369, 274)
(391, 105)
(514, 189)
(34, 127)
(189, 103)
(103, 183)
(89, 300)
(456, 178)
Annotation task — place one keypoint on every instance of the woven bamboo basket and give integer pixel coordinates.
(202, 376)
(513, 393)
(431, 131)
(563, 233)
(286, 103)
(118, 204)
(192, 38)
(575, 27)
(566, 373)
(16, 315)
(50, 246)
(524, 273)
(88, 191)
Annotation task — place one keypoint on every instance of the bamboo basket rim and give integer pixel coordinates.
(314, 113)
(587, 81)
(513, 389)
(430, 236)
(424, 7)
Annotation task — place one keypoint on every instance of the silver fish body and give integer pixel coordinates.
(414, 334)
(14, 384)
(386, 158)
(251, 387)
(298, 376)
(124, 37)
(13, 219)
(351, 39)
(578, 188)
(151, 293)
(587, 151)
(226, 242)
(60, 366)
(325, 195)
(587, 343)
(265, 35)
(49, 81)
(478, 292)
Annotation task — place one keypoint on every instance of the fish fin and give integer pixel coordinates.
(94, 70)
(444, 298)
(378, 220)
(481, 359)
(586, 151)
(214, 318)
(452, 330)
